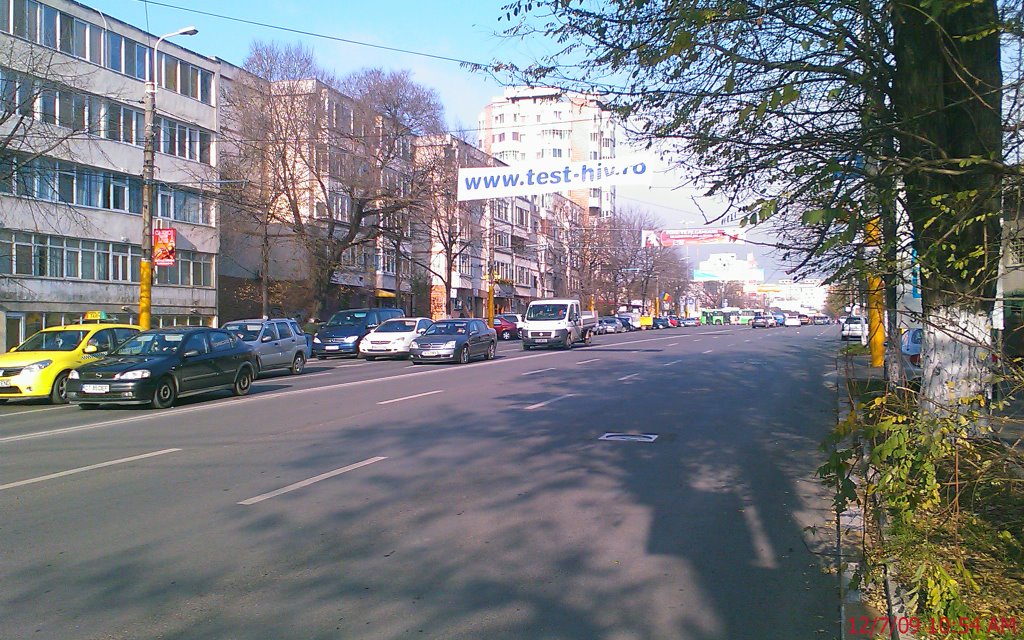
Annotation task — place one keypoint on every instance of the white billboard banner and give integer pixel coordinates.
(681, 237)
(551, 177)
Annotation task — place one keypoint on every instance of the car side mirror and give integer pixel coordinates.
(90, 348)
(371, 327)
(421, 331)
(266, 338)
(191, 353)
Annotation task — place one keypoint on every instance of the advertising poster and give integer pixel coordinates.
(163, 247)
(682, 237)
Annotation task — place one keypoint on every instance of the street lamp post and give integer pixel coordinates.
(148, 151)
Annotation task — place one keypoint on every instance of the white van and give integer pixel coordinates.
(556, 323)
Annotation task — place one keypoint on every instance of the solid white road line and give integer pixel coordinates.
(100, 465)
(418, 395)
(588, 361)
(15, 413)
(309, 481)
(669, 364)
(547, 402)
(632, 375)
(530, 373)
(673, 344)
(708, 351)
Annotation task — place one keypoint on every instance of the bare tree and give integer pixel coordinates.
(449, 229)
(332, 158)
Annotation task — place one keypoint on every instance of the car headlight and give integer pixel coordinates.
(316, 339)
(349, 339)
(73, 375)
(137, 374)
(449, 345)
(36, 367)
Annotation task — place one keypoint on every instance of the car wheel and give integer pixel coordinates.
(298, 364)
(526, 347)
(568, 342)
(3, 400)
(321, 357)
(87, 407)
(414, 360)
(464, 355)
(588, 338)
(259, 366)
(243, 381)
(490, 351)
(59, 392)
(506, 335)
(369, 358)
(165, 394)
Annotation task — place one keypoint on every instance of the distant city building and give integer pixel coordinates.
(726, 267)
(531, 124)
(809, 294)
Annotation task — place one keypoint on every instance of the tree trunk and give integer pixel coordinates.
(946, 93)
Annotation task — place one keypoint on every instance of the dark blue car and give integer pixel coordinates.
(341, 334)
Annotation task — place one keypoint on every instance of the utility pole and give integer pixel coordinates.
(148, 153)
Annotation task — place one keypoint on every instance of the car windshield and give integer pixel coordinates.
(144, 344)
(546, 312)
(347, 319)
(247, 331)
(397, 326)
(60, 340)
(448, 329)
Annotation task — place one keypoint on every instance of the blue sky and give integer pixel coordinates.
(462, 30)
(465, 30)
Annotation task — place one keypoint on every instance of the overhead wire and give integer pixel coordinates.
(313, 34)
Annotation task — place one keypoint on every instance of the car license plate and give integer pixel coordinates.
(541, 340)
(6, 383)
(95, 388)
(427, 354)
(331, 348)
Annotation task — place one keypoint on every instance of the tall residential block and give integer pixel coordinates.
(72, 82)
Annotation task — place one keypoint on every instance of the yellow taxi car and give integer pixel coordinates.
(39, 367)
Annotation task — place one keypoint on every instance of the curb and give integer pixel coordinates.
(852, 605)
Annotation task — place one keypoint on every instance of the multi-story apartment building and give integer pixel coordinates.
(522, 243)
(331, 161)
(528, 124)
(72, 82)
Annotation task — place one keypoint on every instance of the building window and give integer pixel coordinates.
(46, 256)
(1017, 250)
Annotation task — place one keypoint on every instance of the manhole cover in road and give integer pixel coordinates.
(630, 437)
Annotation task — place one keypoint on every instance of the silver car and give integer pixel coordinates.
(279, 344)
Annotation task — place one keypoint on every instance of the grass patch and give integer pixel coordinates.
(855, 349)
(863, 391)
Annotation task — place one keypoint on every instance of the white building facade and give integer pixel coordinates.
(530, 124)
(72, 82)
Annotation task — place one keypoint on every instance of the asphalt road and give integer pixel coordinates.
(384, 500)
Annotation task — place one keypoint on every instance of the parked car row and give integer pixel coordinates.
(90, 364)
(96, 363)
